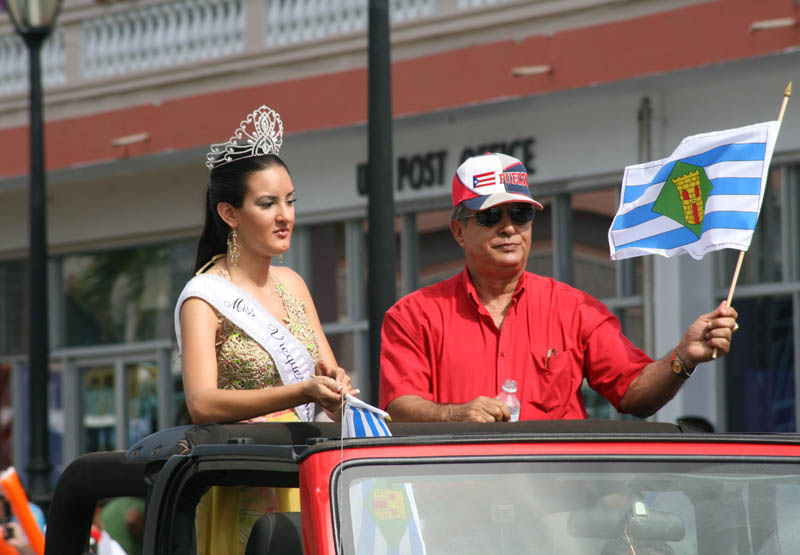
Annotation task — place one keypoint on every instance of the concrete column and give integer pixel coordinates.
(73, 52)
(409, 253)
(72, 402)
(254, 25)
(561, 210)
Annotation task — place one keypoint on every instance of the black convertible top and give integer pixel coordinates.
(183, 439)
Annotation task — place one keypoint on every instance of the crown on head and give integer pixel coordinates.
(260, 133)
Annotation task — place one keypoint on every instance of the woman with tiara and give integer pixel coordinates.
(251, 341)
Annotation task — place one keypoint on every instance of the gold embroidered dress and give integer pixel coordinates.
(242, 363)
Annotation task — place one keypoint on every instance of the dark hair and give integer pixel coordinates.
(227, 183)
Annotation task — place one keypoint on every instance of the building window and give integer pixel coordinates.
(440, 257)
(540, 260)
(13, 307)
(331, 258)
(593, 270)
(328, 271)
(120, 296)
(761, 368)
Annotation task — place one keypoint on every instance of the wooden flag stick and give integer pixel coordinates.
(786, 94)
(735, 277)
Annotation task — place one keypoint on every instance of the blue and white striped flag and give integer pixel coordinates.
(706, 196)
(363, 420)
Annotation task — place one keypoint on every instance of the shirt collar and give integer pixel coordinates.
(472, 294)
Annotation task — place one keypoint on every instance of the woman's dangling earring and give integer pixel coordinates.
(280, 259)
(233, 247)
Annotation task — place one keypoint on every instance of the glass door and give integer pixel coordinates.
(119, 400)
(141, 400)
(99, 414)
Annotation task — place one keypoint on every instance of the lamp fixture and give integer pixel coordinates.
(33, 15)
(522, 71)
(131, 139)
(778, 23)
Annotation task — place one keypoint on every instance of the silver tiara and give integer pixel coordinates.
(260, 133)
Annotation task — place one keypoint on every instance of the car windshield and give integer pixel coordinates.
(565, 507)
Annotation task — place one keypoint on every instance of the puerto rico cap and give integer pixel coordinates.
(490, 179)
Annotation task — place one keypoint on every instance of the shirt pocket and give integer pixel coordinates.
(548, 384)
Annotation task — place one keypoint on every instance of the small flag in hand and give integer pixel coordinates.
(363, 420)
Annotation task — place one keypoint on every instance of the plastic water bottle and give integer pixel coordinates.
(508, 396)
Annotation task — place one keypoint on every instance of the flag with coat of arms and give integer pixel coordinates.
(704, 197)
(383, 511)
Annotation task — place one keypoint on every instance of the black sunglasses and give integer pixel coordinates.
(519, 214)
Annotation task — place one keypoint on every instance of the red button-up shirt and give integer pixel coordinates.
(441, 344)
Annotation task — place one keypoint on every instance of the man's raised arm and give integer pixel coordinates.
(661, 379)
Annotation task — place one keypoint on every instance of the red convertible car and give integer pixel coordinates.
(568, 487)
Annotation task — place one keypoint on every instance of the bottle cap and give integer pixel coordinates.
(510, 386)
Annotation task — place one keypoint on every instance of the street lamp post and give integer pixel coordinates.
(33, 20)
(380, 212)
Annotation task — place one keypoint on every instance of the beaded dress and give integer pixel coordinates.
(242, 363)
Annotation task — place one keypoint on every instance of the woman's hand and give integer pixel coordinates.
(338, 374)
(324, 391)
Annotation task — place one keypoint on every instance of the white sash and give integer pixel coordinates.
(292, 360)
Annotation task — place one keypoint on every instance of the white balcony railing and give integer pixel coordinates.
(161, 35)
(297, 21)
(115, 43)
(470, 4)
(14, 62)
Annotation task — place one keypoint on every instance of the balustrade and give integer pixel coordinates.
(161, 35)
(169, 34)
(471, 4)
(14, 62)
(298, 21)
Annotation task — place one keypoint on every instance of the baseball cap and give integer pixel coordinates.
(490, 179)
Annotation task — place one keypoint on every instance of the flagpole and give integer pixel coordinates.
(786, 94)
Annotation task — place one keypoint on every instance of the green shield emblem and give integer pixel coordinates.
(389, 506)
(683, 196)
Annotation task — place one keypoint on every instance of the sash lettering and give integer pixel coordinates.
(239, 305)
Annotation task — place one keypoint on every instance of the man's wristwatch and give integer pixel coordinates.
(678, 366)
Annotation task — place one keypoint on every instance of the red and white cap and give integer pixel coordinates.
(490, 179)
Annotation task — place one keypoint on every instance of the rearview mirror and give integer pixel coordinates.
(641, 524)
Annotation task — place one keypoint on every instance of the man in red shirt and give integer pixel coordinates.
(447, 349)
